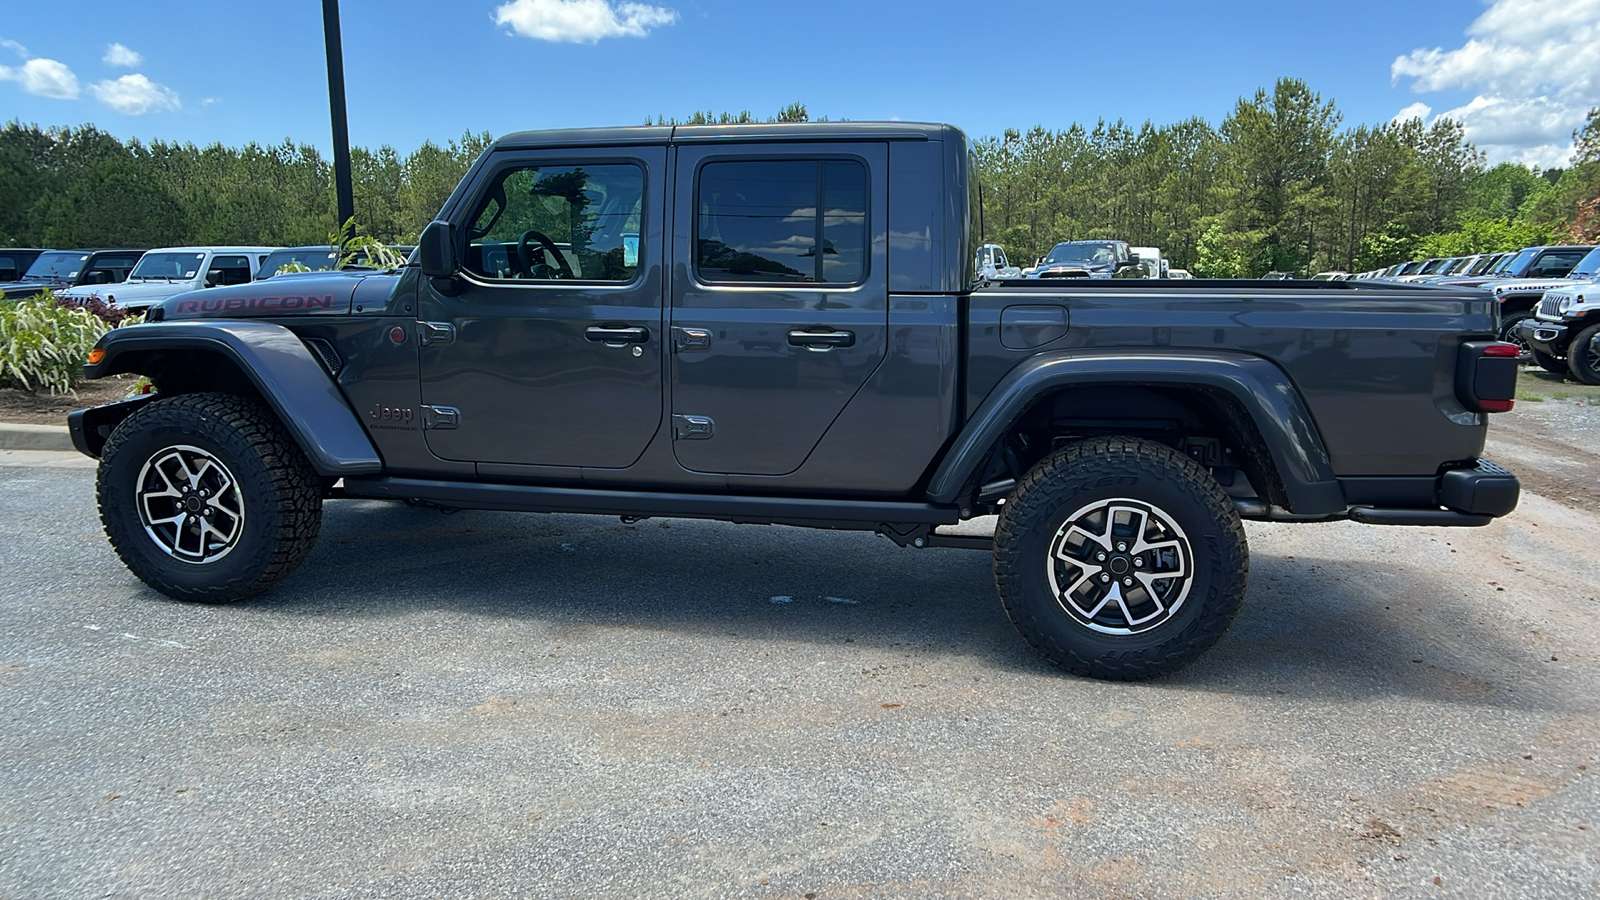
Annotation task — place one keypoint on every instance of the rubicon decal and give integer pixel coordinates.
(253, 304)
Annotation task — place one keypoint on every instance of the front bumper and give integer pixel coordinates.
(1549, 338)
(1468, 496)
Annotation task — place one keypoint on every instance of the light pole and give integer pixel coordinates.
(341, 129)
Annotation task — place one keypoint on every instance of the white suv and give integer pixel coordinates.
(169, 271)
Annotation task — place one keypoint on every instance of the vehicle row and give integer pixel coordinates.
(1078, 259)
(137, 278)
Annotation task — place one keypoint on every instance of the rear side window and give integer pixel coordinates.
(1557, 263)
(782, 222)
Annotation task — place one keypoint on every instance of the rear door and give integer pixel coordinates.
(779, 299)
(549, 350)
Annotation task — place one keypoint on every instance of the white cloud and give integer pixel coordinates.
(1414, 111)
(134, 95)
(120, 55)
(44, 77)
(14, 47)
(1534, 66)
(581, 21)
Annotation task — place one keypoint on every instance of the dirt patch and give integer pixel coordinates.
(44, 408)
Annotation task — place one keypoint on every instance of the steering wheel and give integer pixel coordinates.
(527, 254)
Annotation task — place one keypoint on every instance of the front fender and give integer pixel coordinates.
(283, 371)
(1261, 388)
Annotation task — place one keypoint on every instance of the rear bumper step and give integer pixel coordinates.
(1470, 496)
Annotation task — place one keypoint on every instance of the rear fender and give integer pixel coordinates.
(283, 372)
(1262, 389)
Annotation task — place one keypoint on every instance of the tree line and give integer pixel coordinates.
(1277, 185)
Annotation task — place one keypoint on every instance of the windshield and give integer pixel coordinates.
(1093, 254)
(167, 266)
(314, 258)
(1486, 263)
(1433, 265)
(56, 266)
(1517, 263)
(1588, 267)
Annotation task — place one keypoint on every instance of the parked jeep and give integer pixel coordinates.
(15, 260)
(169, 271)
(57, 270)
(1564, 333)
(777, 324)
(1087, 259)
(1520, 297)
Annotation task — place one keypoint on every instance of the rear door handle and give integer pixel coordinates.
(821, 340)
(617, 334)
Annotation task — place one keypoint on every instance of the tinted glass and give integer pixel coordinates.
(542, 223)
(315, 258)
(159, 266)
(1589, 266)
(1096, 254)
(1557, 263)
(57, 266)
(760, 221)
(229, 270)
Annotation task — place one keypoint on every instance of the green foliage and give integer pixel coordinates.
(1478, 236)
(65, 187)
(43, 345)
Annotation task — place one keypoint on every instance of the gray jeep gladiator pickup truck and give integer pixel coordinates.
(779, 324)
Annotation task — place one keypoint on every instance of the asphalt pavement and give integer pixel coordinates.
(491, 704)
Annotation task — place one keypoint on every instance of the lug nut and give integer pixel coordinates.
(1105, 579)
(1121, 547)
(1138, 562)
(1127, 582)
(1101, 556)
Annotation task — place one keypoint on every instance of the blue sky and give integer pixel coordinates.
(1520, 73)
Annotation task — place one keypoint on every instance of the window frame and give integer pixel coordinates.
(821, 159)
(498, 171)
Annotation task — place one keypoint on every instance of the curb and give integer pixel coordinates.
(34, 437)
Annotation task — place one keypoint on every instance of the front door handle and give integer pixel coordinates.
(821, 340)
(617, 335)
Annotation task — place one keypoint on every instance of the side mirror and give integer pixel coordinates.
(436, 250)
(98, 276)
(213, 278)
(1127, 263)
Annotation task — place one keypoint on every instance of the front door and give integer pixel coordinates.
(550, 352)
(780, 304)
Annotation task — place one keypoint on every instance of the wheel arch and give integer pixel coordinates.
(1247, 399)
(255, 358)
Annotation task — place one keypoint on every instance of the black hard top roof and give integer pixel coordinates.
(683, 134)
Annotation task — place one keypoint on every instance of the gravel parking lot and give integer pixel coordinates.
(494, 704)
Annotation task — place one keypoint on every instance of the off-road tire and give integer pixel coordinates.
(277, 491)
(1583, 356)
(1548, 363)
(1034, 522)
(1508, 333)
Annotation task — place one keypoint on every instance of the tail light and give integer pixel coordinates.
(1486, 375)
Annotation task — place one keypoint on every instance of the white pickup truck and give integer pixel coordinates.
(169, 271)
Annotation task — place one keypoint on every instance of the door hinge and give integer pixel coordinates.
(440, 417)
(435, 333)
(692, 428)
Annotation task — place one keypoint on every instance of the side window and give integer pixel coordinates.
(1554, 265)
(115, 269)
(1000, 259)
(228, 270)
(8, 269)
(543, 223)
(762, 222)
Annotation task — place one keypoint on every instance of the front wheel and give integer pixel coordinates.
(1548, 363)
(205, 497)
(1583, 355)
(1120, 558)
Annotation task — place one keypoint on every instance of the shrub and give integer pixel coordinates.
(44, 345)
(108, 313)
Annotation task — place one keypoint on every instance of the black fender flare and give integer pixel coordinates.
(1264, 391)
(283, 371)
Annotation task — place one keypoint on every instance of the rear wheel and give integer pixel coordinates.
(1583, 355)
(205, 497)
(1120, 558)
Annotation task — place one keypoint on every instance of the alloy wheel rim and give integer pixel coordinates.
(190, 504)
(1120, 566)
